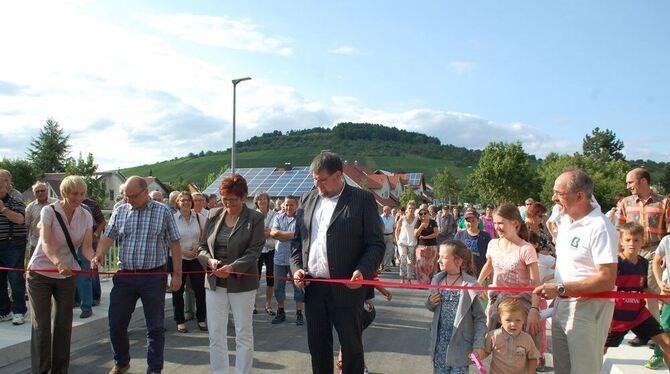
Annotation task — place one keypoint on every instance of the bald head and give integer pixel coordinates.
(136, 192)
(638, 182)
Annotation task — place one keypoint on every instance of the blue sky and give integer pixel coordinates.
(144, 81)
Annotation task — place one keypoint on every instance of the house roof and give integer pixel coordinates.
(54, 180)
(361, 176)
(382, 201)
(150, 180)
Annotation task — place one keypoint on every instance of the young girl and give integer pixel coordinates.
(459, 322)
(513, 262)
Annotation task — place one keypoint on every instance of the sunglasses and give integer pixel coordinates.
(423, 213)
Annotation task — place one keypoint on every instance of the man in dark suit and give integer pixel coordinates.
(337, 236)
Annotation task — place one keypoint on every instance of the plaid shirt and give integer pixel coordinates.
(653, 214)
(143, 235)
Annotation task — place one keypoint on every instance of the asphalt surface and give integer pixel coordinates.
(396, 342)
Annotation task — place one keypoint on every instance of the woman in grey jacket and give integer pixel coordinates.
(232, 241)
(459, 321)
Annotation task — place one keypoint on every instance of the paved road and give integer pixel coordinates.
(397, 342)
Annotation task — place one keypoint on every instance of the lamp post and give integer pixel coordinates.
(232, 152)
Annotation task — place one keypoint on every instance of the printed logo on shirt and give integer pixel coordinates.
(575, 242)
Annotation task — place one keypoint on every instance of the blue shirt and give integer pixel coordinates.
(283, 248)
(143, 235)
(388, 223)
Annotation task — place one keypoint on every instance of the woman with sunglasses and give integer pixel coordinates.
(426, 232)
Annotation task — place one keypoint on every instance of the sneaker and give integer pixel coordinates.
(119, 370)
(655, 362)
(86, 314)
(636, 342)
(299, 321)
(6, 317)
(18, 319)
(279, 318)
(365, 371)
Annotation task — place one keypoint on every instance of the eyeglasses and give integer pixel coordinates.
(135, 196)
(559, 193)
(37, 191)
(423, 213)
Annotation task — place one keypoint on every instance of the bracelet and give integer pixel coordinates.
(534, 307)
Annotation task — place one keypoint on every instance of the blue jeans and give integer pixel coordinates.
(282, 271)
(125, 292)
(84, 284)
(12, 254)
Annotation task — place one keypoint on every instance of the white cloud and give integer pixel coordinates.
(220, 32)
(344, 50)
(131, 98)
(461, 67)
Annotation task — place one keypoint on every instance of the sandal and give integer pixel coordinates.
(268, 310)
(182, 328)
(202, 326)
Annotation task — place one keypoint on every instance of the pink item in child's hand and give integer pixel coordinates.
(478, 363)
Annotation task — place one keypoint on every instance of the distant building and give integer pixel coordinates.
(297, 180)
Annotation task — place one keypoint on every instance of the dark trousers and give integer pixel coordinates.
(12, 255)
(198, 286)
(125, 292)
(322, 315)
(50, 353)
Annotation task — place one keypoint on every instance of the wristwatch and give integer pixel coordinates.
(561, 290)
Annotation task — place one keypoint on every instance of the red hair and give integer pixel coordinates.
(234, 184)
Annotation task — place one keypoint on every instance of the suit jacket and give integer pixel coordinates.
(244, 246)
(469, 324)
(354, 240)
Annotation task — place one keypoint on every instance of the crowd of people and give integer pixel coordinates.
(336, 231)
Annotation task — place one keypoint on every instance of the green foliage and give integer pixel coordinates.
(504, 174)
(211, 177)
(408, 195)
(602, 145)
(608, 177)
(23, 173)
(95, 188)
(446, 186)
(664, 182)
(49, 151)
(180, 184)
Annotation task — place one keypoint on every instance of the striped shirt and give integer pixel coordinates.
(143, 235)
(631, 277)
(8, 229)
(653, 214)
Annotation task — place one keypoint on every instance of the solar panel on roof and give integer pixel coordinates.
(295, 182)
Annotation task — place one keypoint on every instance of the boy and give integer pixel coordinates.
(632, 314)
(514, 351)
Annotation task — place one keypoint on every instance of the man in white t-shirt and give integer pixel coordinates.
(586, 263)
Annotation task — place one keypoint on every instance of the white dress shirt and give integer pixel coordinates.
(318, 251)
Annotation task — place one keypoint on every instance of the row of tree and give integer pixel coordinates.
(49, 152)
(506, 173)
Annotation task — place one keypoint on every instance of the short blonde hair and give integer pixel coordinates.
(70, 183)
(511, 305)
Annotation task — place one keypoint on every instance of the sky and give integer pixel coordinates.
(137, 82)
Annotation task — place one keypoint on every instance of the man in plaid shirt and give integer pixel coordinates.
(146, 230)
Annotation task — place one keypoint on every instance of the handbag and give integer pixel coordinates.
(67, 235)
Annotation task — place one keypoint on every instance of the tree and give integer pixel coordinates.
(602, 145)
(408, 195)
(87, 169)
(664, 183)
(211, 177)
(23, 173)
(445, 186)
(608, 177)
(49, 151)
(504, 174)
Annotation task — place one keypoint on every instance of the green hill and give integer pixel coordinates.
(375, 146)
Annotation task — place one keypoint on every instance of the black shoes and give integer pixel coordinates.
(279, 318)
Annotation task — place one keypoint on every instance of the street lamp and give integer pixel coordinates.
(232, 153)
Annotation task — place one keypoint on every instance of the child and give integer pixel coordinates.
(453, 337)
(632, 314)
(513, 262)
(513, 350)
(546, 264)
